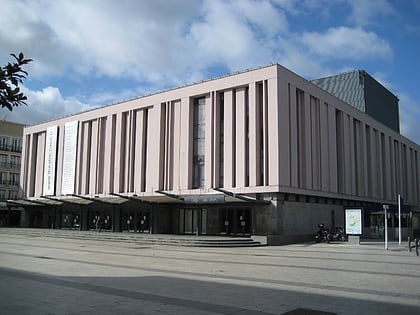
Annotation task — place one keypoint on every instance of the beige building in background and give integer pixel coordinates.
(261, 152)
(10, 160)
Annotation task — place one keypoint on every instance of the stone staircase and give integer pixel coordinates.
(161, 239)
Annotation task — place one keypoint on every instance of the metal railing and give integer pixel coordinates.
(9, 183)
(10, 165)
(12, 148)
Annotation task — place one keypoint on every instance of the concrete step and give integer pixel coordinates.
(163, 239)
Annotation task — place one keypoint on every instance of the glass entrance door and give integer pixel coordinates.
(143, 222)
(235, 221)
(192, 221)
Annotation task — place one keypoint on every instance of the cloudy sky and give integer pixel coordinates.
(89, 53)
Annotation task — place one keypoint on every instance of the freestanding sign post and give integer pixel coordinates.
(386, 207)
(354, 224)
(399, 218)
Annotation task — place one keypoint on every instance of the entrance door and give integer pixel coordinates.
(235, 221)
(143, 222)
(192, 221)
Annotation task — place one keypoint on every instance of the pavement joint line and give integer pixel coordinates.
(137, 295)
(222, 277)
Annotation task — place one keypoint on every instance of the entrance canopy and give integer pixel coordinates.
(218, 196)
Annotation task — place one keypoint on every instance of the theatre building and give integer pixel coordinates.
(261, 152)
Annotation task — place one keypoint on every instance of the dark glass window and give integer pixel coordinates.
(198, 142)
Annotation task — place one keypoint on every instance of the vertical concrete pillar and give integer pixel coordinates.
(25, 217)
(216, 140)
(254, 170)
(332, 128)
(93, 158)
(109, 149)
(185, 160)
(40, 155)
(229, 140)
(139, 151)
(294, 145)
(272, 132)
(241, 137)
(284, 121)
(324, 149)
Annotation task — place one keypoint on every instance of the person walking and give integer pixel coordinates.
(98, 224)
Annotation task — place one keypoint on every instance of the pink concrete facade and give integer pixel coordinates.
(281, 134)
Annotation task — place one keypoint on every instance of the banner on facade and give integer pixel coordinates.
(354, 222)
(50, 160)
(69, 157)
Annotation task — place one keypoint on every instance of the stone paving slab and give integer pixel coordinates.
(46, 275)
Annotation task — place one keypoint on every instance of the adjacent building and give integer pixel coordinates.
(261, 152)
(10, 160)
(362, 91)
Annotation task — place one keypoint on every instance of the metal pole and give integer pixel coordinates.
(399, 219)
(386, 226)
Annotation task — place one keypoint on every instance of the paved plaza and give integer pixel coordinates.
(46, 275)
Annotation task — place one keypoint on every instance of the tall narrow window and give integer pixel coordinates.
(198, 142)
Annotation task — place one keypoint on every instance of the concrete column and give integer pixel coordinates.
(324, 148)
(83, 158)
(176, 158)
(84, 218)
(348, 171)
(139, 151)
(116, 219)
(272, 132)
(229, 141)
(332, 126)
(25, 217)
(93, 158)
(284, 133)
(254, 169)
(294, 157)
(118, 154)
(241, 137)
(307, 149)
(40, 156)
(185, 160)
(109, 151)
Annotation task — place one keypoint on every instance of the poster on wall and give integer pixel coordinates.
(354, 221)
(69, 157)
(50, 160)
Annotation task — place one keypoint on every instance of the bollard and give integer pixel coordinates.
(409, 244)
(417, 246)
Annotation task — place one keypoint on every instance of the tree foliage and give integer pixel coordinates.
(11, 76)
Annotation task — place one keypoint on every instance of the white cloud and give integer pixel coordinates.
(409, 117)
(145, 41)
(364, 12)
(43, 105)
(347, 43)
(162, 43)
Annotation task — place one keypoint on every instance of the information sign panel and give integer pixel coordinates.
(354, 222)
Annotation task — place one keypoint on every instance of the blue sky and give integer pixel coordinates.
(90, 53)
